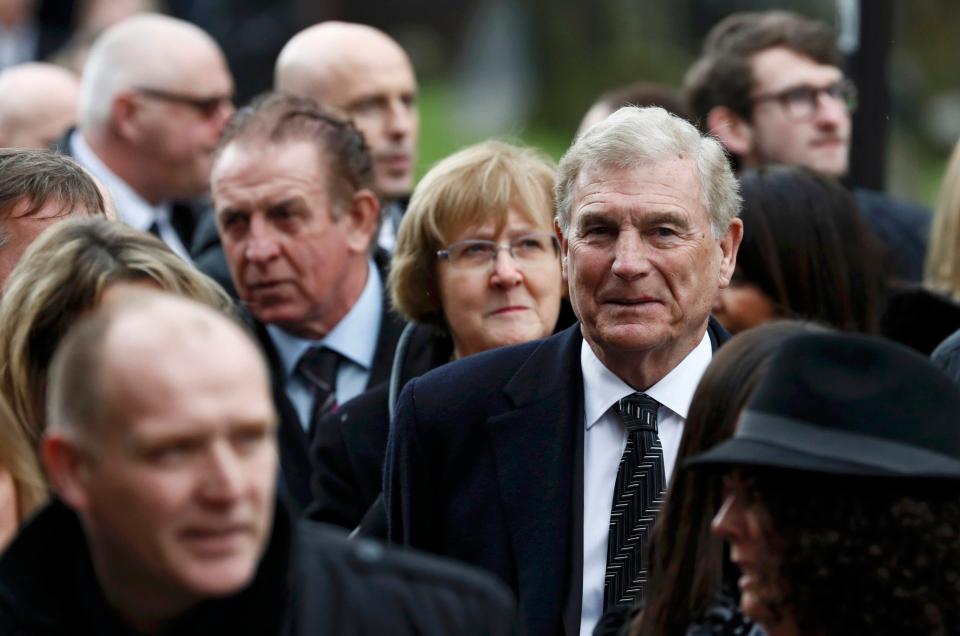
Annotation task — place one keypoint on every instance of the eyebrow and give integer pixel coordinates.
(285, 203)
(654, 218)
(667, 218)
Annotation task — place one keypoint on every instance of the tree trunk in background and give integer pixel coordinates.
(868, 66)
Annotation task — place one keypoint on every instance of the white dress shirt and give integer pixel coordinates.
(604, 440)
(132, 209)
(354, 338)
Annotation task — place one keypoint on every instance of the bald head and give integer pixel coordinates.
(155, 95)
(365, 73)
(38, 103)
(148, 50)
(143, 342)
(318, 62)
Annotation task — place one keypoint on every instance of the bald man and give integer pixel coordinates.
(162, 452)
(38, 103)
(155, 95)
(366, 74)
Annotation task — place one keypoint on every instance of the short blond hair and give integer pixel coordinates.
(471, 187)
(61, 276)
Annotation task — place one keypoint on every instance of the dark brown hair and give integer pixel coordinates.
(40, 177)
(723, 76)
(807, 249)
(862, 556)
(686, 560)
(645, 94)
(279, 118)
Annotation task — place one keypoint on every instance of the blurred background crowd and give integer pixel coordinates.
(561, 57)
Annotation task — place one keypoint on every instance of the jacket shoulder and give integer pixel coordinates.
(363, 583)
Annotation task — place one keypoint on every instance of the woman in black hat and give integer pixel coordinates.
(842, 507)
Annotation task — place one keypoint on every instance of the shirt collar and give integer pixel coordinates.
(602, 388)
(350, 337)
(132, 209)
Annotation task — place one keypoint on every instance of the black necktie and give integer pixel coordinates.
(318, 367)
(637, 496)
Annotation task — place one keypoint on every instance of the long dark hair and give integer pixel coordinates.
(807, 249)
(686, 560)
(865, 556)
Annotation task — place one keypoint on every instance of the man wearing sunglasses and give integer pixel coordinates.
(154, 98)
(769, 86)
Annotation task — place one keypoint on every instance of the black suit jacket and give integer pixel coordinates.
(348, 445)
(294, 443)
(485, 465)
(185, 216)
(903, 228)
(310, 581)
(207, 254)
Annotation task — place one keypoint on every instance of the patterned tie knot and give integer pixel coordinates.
(319, 367)
(639, 412)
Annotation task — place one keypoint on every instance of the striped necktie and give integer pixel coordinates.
(318, 367)
(637, 496)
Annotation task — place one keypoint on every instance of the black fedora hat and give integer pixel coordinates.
(848, 405)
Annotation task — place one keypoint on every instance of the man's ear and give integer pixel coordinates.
(359, 220)
(67, 467)
(564, 247)
(729, 245)
(124, 111)
(733, 131)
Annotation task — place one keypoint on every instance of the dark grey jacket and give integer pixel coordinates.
(311, 581)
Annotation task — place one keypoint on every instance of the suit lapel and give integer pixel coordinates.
(293, 444)
(534, 446)
(391, 326)
(718, 335)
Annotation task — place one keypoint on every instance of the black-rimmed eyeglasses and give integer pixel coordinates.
(206, 106)
(801, 102)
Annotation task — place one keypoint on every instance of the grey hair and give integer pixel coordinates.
(146, 48)
(634, 136)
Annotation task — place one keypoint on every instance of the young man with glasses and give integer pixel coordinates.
(769, 86)
(155, 96)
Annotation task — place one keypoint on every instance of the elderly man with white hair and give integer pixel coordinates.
(546, 462)
(155, 95)
(38, 103)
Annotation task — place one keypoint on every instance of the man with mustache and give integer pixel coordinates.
(530, 460)
(296, 215)
(769, 86)
(154, 96)
(161, 448)
(364, 73)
